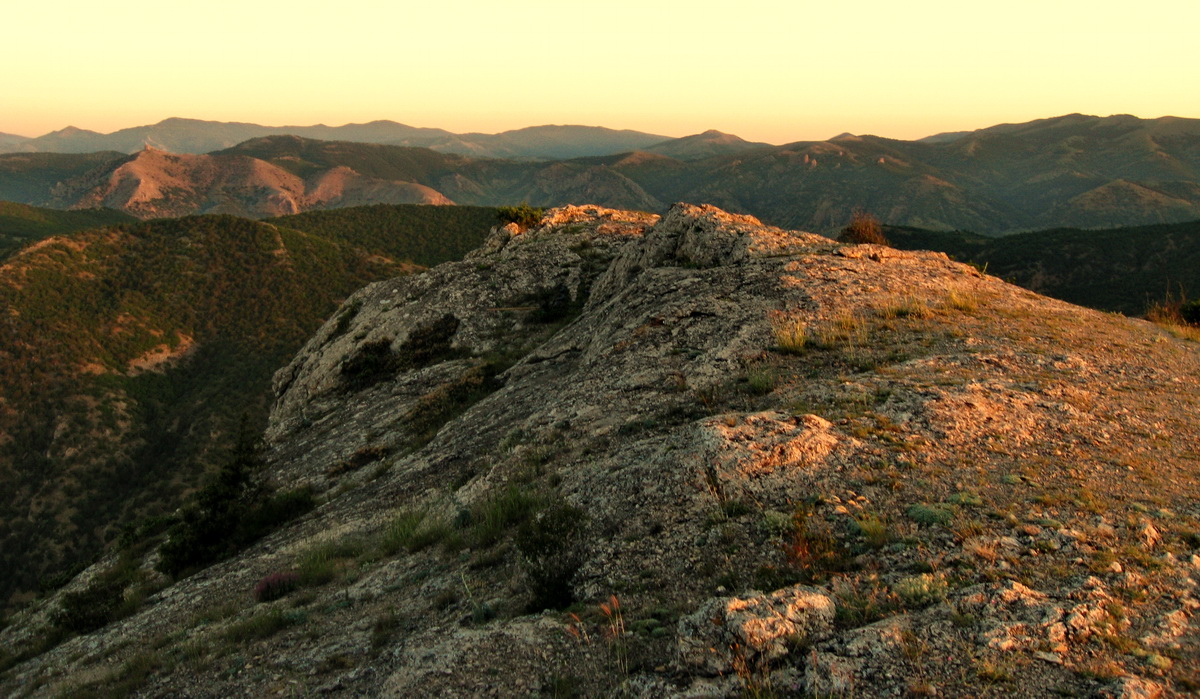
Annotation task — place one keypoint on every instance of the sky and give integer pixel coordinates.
(765, 70)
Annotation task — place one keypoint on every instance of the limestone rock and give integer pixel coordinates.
(748, 630)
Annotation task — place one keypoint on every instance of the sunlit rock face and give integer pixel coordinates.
(693, 455)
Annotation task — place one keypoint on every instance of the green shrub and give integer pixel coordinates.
(234, 509)
(92, 608)
(930, 514)
(921, 590)
(552, 548)
(523, 215)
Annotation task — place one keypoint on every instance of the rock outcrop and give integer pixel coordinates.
(699, 456)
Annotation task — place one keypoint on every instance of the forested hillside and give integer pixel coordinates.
(137, 349)
(413, 232)
(1115, 269)
(21, 224)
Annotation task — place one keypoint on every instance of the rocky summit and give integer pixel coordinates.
(614, 454)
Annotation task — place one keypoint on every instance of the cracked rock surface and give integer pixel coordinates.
(695, 456)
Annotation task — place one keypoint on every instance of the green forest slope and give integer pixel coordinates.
(137, 349)
(1116, 269)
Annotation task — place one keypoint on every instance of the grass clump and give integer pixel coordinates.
(873, 529)
(322, 563)
(490, 519)
(921, 590)
(791, 334)
(846, 328)
(412, 531)
(262, 626)
(863, 229)
(907, 306)
(760, 380)
(961, 300)
(1178, 316)
(930, 514)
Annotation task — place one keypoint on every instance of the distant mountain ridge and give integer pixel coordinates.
(197, 136)
(1070, 171)
(155, 184)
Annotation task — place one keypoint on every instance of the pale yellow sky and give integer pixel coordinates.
(763, 69)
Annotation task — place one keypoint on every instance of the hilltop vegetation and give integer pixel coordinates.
(21, 224)
(1117, 269)
(413, 232)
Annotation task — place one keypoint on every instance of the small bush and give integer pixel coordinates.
(92, 608)
(262, 625)
(524, 215)
(276, 586)
(930, 514)
(552, 549)
(921, 590)
(863, 229)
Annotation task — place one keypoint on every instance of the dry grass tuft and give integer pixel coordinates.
(791, 333)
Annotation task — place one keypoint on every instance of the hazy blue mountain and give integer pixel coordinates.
(197, 136)
(703, 145)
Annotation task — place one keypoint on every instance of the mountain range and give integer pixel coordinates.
(1071, 171)
(195, 136)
